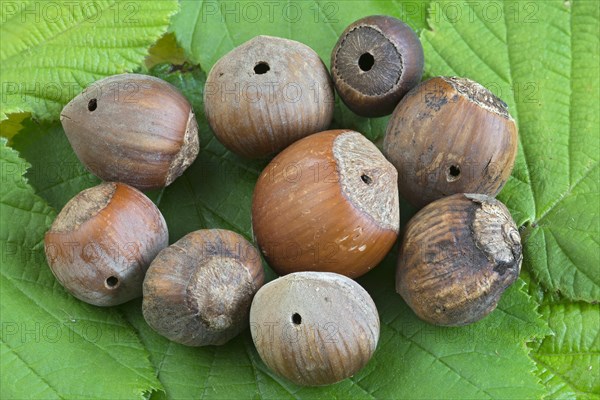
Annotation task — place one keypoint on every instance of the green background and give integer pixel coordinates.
(540, 57)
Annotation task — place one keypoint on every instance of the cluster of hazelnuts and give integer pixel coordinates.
(324, 210)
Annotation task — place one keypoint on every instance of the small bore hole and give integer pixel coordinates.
(296, 319)
(261, 68)
(92, 104)
(366, 61)
(112, 282)
(366, 179)
(453, 173)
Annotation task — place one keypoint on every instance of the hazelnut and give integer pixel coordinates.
(198, 291)
(329, 202)
(450, 135)
(101, 243)
(314, 328)
(376, 60)
(458, 255)
(267, 93)
(132, 128)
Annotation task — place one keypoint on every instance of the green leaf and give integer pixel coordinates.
(568, 361)
(52, 50)
(53, 345)
(208, 29)
(62, 175)
(542, 59)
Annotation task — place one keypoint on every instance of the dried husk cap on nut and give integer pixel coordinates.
(198, 291)
(458, 255)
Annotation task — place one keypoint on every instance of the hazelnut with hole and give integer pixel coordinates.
(267, 93)
(329, 202)
(450, 135)
(314, 328)
(132, 128)
(376, 60)
(103, 240)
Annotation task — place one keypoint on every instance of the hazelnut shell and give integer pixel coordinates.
(329, 202)
(267, 93)
(132, 128)
(450, 135)
(314, 328)
(103, 240)
(198, 291)
(458, 255)
(375, 62)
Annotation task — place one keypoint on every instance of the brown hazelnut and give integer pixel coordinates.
(314, 328)
(132, 128)
(101, 243)
(458, 255)
(376, 60)
(450, 135)
(267, 93)
(328, 202)
(198, 291)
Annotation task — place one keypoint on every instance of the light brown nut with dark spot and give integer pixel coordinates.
(314, 328)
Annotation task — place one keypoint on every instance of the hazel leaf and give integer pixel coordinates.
(52, 50)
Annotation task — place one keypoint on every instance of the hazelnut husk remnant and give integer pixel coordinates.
(450, 135)
(267, 93)
(329, 202)
(458, 255)
(314, 328)
(132, 128)
(198, 291)
(103, 240)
